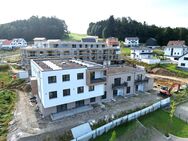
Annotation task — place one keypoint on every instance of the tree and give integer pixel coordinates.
(49, 27)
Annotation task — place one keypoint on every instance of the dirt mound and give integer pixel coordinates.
(162, 71)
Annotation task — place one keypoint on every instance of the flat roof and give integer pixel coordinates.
(123, 69)
(50, 65)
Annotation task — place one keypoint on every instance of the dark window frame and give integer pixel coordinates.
(66, 92)
(51, 79)
(65, 77)
(80, 76)
(80, 90)
(51, 94)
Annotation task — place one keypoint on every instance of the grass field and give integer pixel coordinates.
(75, 37)
(4, 75)
(158, 119)
(125, 51)
(173, 68)
(7, 103)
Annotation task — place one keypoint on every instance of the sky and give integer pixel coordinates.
(79, 13)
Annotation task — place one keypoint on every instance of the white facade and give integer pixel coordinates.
(183, 61)
(39, 42)
(131, 41)
(44, 87)
(18, 42)
(139, 53)
(144, 55)
(174, 52)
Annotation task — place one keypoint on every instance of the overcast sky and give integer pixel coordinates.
(79, 13)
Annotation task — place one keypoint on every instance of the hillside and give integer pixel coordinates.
(127, 27)
(49, 27)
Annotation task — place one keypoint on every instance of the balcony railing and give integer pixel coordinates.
(124, 84)
(146, 79)
(98, 80)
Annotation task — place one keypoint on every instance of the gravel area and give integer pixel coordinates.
(28, 123)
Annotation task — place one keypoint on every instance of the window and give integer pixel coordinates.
(73, 45)
(92, 99)
(61, 108)
(66, 92)
(80, 103)
(80, 76)
(66, 77)
(80, 46)
(185, 58)
(80, 90)
(182, 64)
(52, 79)
(115, 92)
(66, 52)
(91, 88)
(129, 78)
(128, 89)
(52, 94)
(104, 96)
(117, 81)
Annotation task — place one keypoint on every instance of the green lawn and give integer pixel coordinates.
(4, 75)
(7, 103)
(125, 51)
(160, 120)
(173, 68)
(75, 37)
(120, 130)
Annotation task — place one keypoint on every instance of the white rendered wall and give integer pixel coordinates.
(72, 85)
(181, 60)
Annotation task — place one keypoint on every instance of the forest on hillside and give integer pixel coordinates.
(127, 27)
(49, 27)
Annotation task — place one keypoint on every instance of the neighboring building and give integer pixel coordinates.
(69, 84)
(144, 54)
(112, 41)
(175, 49)
(152, 43)
(91, 51)
(132, 41)
(126, 81)
(183, 61)
(39, 42)
(18, 43)
(6, 45)
(64, 85)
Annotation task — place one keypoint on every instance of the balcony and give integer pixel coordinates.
(124, 84)
(146, 79)
(98, 80)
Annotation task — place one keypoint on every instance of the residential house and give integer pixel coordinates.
(131, 42)
(18, 43)
(175, 49)
(90, 39)
(144, 54)
(67, 84)
(6, 45)
(112, 41)
(183, 61)
(39, 42)
(152, 43)
(83, 84)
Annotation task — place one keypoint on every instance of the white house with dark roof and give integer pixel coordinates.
(183, 61)
(131, 41)
(144, 54)
(175, 49)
